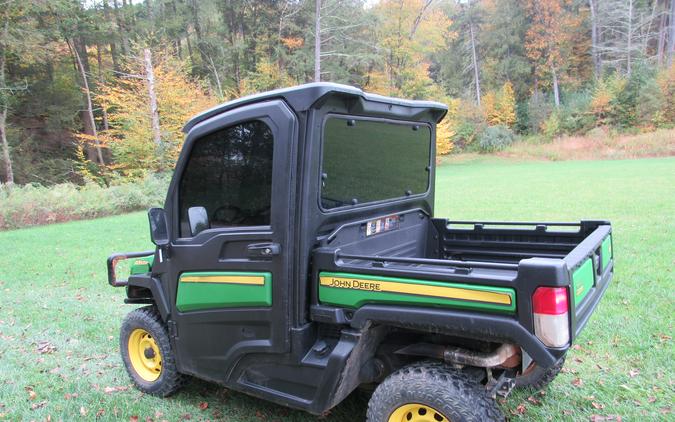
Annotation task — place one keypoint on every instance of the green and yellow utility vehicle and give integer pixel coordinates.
(298, 258)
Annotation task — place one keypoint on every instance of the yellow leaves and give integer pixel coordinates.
(500, 108)
(127, 103)
(267, 76)
(604, 100)
(292, 43)
(408, 30)
(665, 80)
(447, 128)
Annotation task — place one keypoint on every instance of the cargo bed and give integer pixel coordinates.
(475, 267)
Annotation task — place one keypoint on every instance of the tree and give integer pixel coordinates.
(408, 31)
(548, 39)
(500, 108)
(504, 23)
(317, 42)
(19, 42)
(135, 122)
(4, 100)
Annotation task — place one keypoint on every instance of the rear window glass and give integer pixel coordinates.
(373, 160)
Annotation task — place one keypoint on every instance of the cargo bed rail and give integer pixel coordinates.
(461, 265)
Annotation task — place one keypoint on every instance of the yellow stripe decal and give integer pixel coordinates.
(416, 289)
(234, 279)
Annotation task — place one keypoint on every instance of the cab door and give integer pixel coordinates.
(229, 259)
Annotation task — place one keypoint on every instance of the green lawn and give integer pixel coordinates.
(53, 289)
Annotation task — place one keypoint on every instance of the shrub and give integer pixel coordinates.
(470, 122)
(539, 108)
(34, 204)
(495, 138)
(552, 126)
(574, 114)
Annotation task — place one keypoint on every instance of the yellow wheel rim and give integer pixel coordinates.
(415, 412)
(144, 355)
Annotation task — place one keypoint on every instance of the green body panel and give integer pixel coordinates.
(583, 280)
(142, 265)
(354, 298)
(193, 296)
(606, 251)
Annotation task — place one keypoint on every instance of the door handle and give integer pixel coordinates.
(263, 250)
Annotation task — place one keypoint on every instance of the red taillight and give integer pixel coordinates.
(550, 300)
(550, 311)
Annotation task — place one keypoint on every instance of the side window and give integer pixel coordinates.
(229, 173)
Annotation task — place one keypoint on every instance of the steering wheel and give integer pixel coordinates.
(228, 214)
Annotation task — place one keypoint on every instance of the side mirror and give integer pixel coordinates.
(159, 230)
(198, 219)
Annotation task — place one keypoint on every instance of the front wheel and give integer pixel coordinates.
(147, 355)
(431, 392)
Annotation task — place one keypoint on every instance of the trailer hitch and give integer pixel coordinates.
(501, 386)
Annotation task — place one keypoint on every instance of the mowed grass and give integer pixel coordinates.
(54, 297)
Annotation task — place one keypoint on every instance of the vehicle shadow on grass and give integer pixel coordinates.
(229, 405)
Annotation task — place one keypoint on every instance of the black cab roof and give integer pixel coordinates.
(303, 97)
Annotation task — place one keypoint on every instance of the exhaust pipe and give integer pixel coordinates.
(506, 355)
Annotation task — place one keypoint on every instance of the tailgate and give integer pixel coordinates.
(590, 266)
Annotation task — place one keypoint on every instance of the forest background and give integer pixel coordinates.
(93, 94)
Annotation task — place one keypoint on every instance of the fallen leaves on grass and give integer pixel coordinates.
(578, 382)
(633, 372)
(599, 418)
(519, 410)
(38, 405)
(45, 347)
(534, 400)
(133, 418)
(83, 411)
(109, 390)
(100, 413)
(597, 405)
(69, 396)
(203, 405)
(31, 394)
(663, 337)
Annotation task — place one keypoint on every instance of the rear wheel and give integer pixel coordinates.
(431, 392)
(538, 378)
(147, 355)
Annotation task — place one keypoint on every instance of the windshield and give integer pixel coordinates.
(373, 160)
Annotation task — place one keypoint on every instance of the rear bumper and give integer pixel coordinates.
(479, 326)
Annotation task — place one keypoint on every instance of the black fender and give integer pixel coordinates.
(145, 288)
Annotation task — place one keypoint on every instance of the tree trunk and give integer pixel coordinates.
(113, 48)
(597, 67)
(671, 34)
(6, 158)
(99, 61)
(120, 20)
(556, 91)
(661, 42)
(629, 44)
(194, 6)
(152, 95)
(317, 42)
(88, 114)
(474, 60)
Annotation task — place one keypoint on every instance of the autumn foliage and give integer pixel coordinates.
(129, 136)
